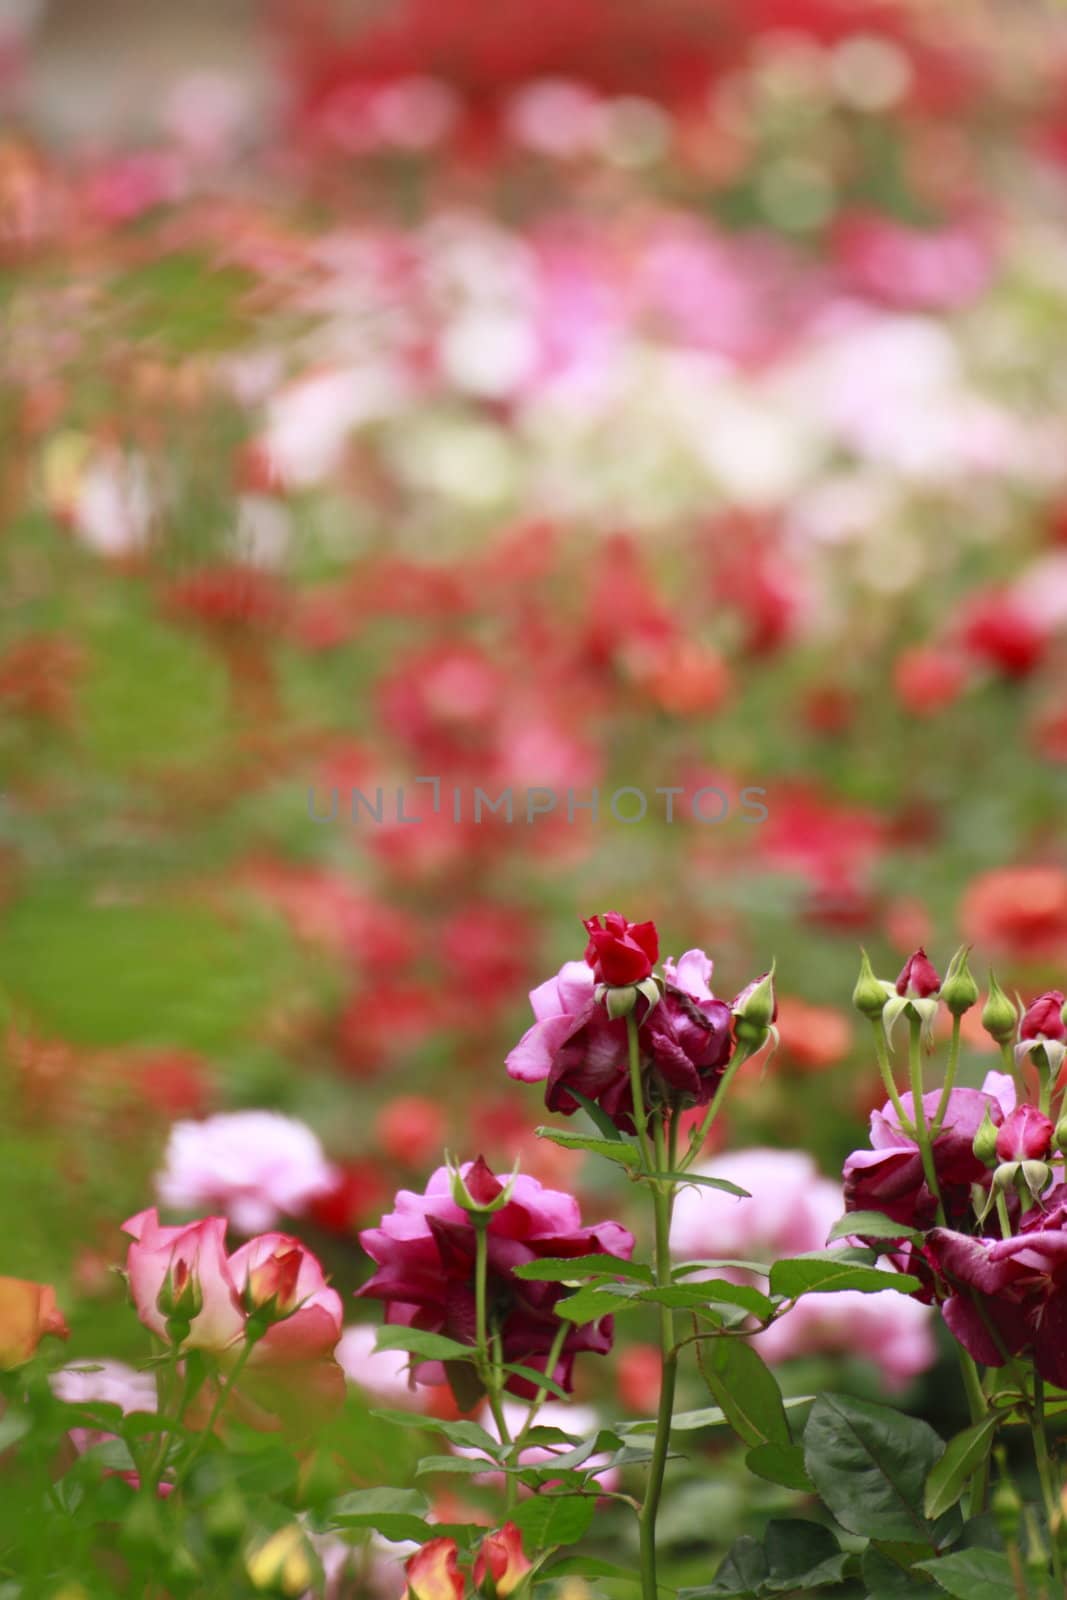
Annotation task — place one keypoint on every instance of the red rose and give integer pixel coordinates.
(620, 952)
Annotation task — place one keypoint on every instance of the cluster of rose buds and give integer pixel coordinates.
(499, 1568)
(943, 1163)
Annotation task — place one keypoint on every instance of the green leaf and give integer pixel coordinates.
(395, 1513)
(598, 1117)
(713, 1291)
(869, 1464)
(870, 1225)
(886, 1580)
(561, 1270)
(701, 1181)
(430, 1346)
(747, 1391)
(624, 1155)
(686, 1270)
(973, 1574)
(460, 1464)
(819, 1274)
(532, 1375)
(780, 1463)
(961, 1460)
(707, 1417)
(590, 1567)
(551, 1519)
(742, 1574)
(589, 1305)
(801, 1555)
(468, 1434)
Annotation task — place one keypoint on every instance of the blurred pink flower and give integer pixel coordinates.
(110, 1381)
(381, 1374)
(791, 1210)
(256, 1166)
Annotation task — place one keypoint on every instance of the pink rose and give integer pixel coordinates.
(186, 1269)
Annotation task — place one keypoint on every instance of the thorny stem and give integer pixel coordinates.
(542, 1393)
(972, 1383)
(701, 1131)
(885, 1068)
(489, 1357)
(640, 1115)
(1044, 1472)
(1002, 1215)
(663, 1202)
(223, 1395)
(950, 1079)
(922, 1131)
(1008, 1056)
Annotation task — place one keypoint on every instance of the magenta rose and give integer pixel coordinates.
(1008, 1295)
(1043, 1018)
(620, 952)
(425, 1256)
(889, 1177)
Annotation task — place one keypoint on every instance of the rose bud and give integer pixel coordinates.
(433, 1572)
(1043, 1018)
(959, 990)
(919, 978)
(501, 1565)
(270, 1293)
(620, 952)
(480, 1194)
(985, 1144)
(1026, 1135)
(755, 1010)
(28, 1312)
(999, 1015)
(870, 994)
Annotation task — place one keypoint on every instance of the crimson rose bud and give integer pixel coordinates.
(620, 952)
(1025, 1136)
(919, 977)
(1042, 1018)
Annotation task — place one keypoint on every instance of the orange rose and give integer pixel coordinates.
(28, 1312)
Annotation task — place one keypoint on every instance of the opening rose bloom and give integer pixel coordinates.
(425, 1254)
(1006, 1296)
(273, 1290)
(686, 1041)
(889, 1177)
